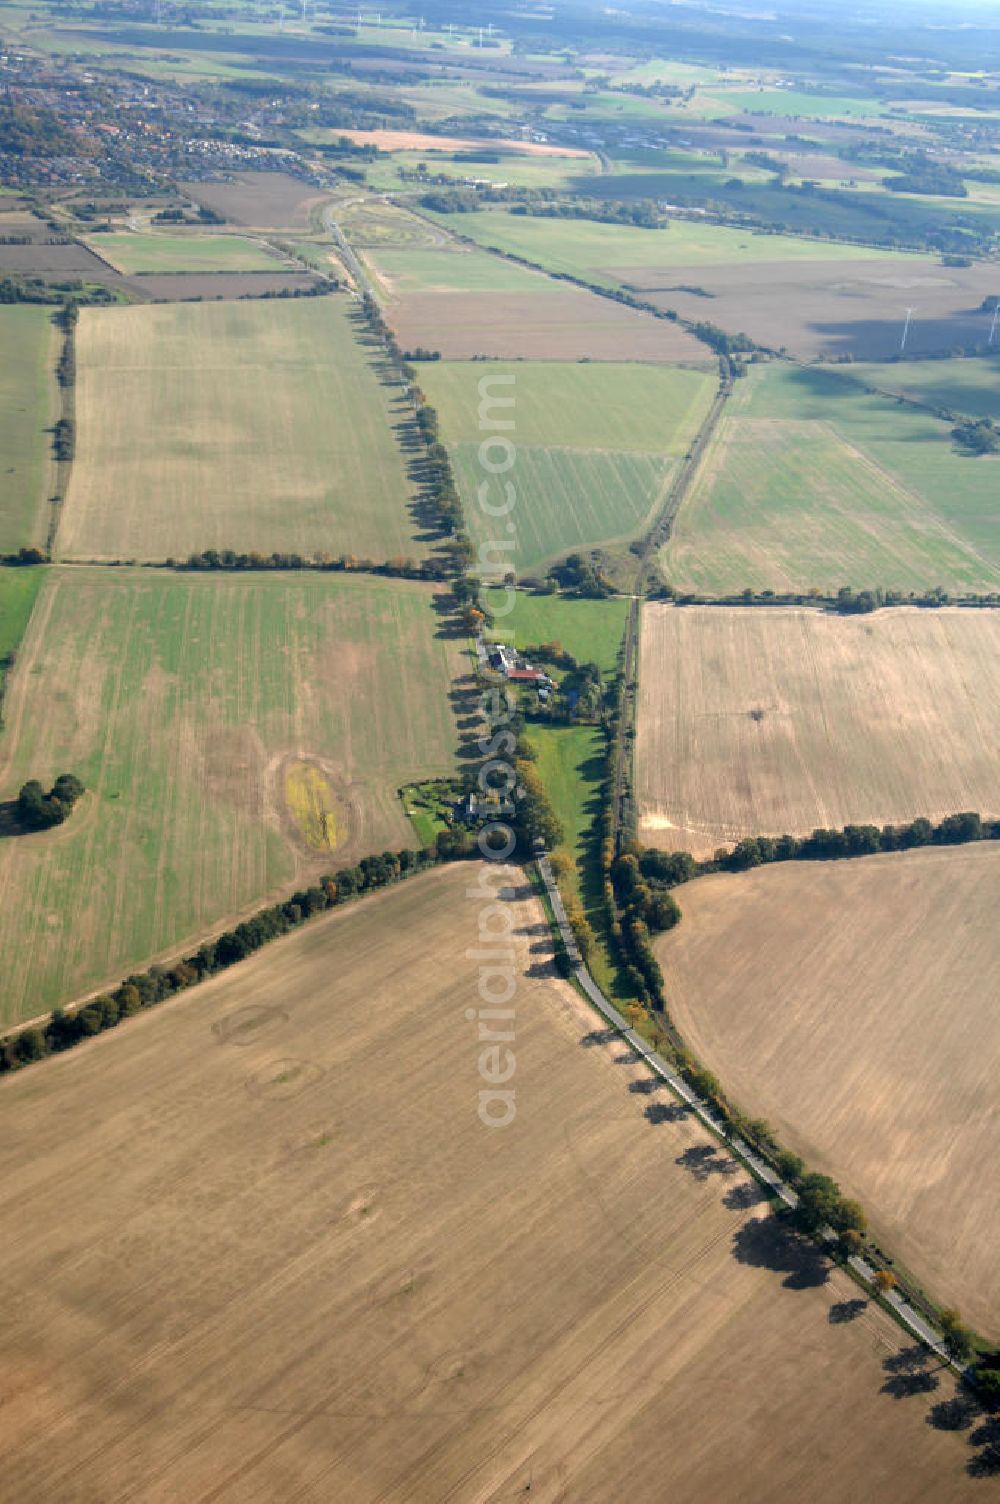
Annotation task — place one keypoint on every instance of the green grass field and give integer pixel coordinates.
(249, 425)
(604, 253)
(794, 103)
(566, 500)
(570, 763)
(811, 483)
(131, 252)
(28, 401)
(18, 592)
(186, 704)
(595, 444)
(518, 171)
(643, 409)
(962, 386)
(591, 630)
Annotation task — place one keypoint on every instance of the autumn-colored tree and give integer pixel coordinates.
(884, 1280)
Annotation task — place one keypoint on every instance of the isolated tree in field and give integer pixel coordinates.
(38, 810)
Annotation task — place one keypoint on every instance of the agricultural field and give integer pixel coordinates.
(451, 269)
(961, 386)
(467, 303)
(818, 298)
(402, 140)
(235, 734)
(131, 252)
(609, 253)
(810, 483)
(266, 200)
(305, 1237)
(591, 630)
(29, 405)
(248, 426)
(19, 589)
(208, 287)
(838, 304)
(378, 223)
(789, 104)
(892, 1091)
(596, 445)
(539, 324)
(57, 263)
(772, 720)
(514, 168)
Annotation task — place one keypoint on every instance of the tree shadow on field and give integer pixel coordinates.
(664, 1112)
(909, 1373)
(598, 1037)
(743, 1197)
(448, 624)
(10, 821)
(986, 1463)
(704, 1160)
(844, 1311)
(645, 1086)
(771, 1243)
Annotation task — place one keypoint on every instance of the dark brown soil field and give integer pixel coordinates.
(824, 308)
(568, 325)
(55, 262)
(269, 200)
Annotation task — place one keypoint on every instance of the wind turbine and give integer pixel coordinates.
(906, 329)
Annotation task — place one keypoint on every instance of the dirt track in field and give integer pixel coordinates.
(853, 1005)
(758, 721)
(280, 1257)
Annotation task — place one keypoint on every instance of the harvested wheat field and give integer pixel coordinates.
(568, 325)
(853, 1004)
(772, 720)
(316, 1275)
(252, 426)
(236, 734)
(391, 140)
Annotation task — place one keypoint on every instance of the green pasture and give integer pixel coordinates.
(566, 500)
(132, 252)
(591, 631)
(652, 409)
(604, 253)
(962, 386)
(810, 483)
